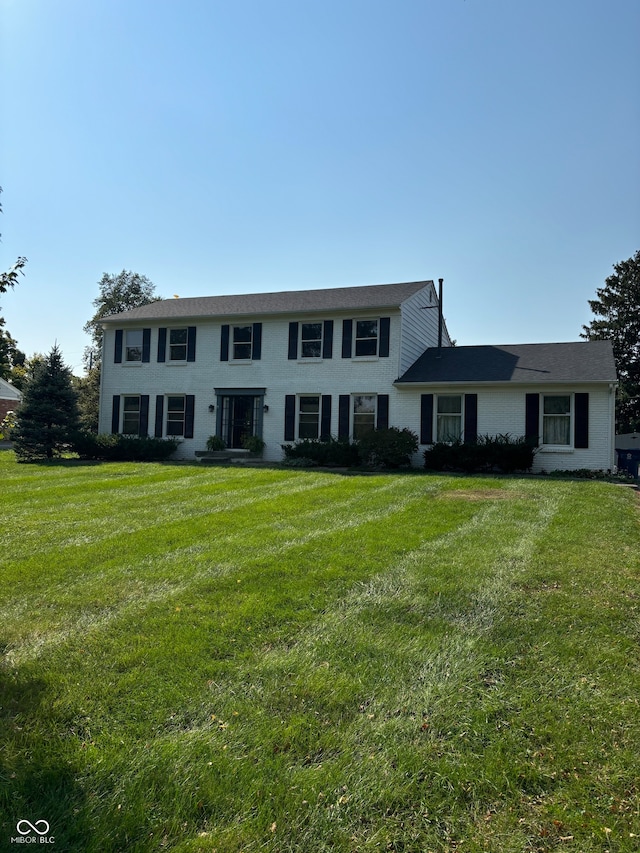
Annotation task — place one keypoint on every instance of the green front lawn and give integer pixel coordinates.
(206, 659)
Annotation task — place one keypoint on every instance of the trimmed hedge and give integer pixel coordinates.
(123, 448)
(388, 448)
(381, 448)
(500, 453)
(331, 452)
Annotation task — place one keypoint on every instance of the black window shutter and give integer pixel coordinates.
(327, 339)
(162, 345)
(256, 355)
(191, 343)
(344, 411)
(159, 415)
(581, 420)
(117, 353)
(532, 419)
(115, 414)
(383, 411)
(146, 345)
(293, 341)
(426, 419)
(470, 418)
(189, 411)
(289, 417)
(224, 343)
(144, 414)
(385, 326)
(347, 338)
(325, 416)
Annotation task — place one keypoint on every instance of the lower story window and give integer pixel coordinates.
(556, 419)
(364, 414)
(309, 417)
(449, 417)
(175, 415)
(131, 416)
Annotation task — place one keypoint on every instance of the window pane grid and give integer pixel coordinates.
(366, 337)
(133, 345)
(131, 416)
(309, 417)
(175, 415)
(178, 345)
(242, 339)
(364, 414)
(311, 340)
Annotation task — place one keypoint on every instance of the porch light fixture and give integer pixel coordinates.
(265, 408)
(212, 408)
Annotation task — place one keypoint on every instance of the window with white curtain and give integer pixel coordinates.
(556, 419)
(449, 417)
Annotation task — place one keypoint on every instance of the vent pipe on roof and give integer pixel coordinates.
(440, 280)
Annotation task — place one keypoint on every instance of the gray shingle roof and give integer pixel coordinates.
(287, 302)
(588, 361)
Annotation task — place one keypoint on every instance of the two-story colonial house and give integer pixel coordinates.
(310, 364)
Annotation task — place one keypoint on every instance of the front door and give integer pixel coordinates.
(240, 415)
(241, 421)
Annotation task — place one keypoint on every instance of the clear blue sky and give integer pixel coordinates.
(226, 147)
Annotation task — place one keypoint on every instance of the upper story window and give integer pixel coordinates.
(241, 343)
(313, 340)
(310, 340)
(449, 417)
(556, 419)
(133, 345)
(178, 344)
(367, 338)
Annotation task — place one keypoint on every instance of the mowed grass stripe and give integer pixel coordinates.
(341, 694)
(132, 586)
(132, 509)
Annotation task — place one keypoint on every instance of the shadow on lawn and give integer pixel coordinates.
(36, 786)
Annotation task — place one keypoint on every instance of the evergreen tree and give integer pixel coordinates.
(618, 310)
(48, 414)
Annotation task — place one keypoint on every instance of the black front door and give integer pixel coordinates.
(241, 420)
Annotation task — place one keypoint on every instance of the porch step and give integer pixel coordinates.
(222, 457)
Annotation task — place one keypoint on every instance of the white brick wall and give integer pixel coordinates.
(500, 409)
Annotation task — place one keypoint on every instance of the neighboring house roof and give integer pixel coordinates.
(588, 361)
(628, 441)
(287, 302)
(9, 391)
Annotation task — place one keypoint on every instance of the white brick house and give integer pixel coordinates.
(309, 364)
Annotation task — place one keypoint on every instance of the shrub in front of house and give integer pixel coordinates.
(330, 452)
(387, 448)
(123, 448)
(499, 453)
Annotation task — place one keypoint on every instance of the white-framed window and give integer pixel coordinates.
(449, 417)
(366, 338)
(364, 414)
(242, 343)
(175, 414)
(178, 344)
(309, 416)
(556, 420)
(133, 345)
(311, 340)
(131, 415)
